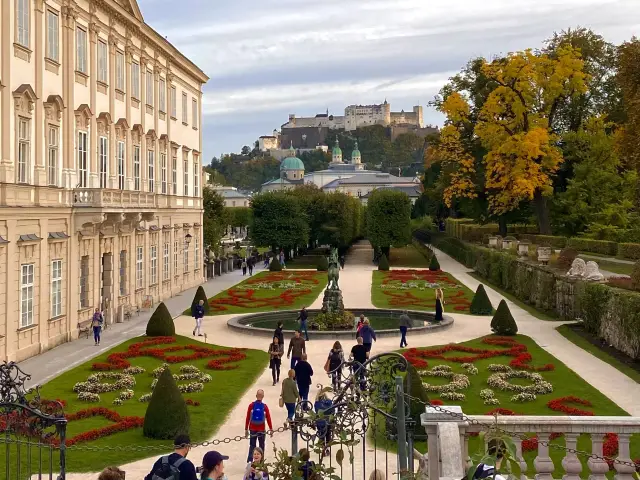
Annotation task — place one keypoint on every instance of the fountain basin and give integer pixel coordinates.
(383, 321)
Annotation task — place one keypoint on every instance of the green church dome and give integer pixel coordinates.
(291, 163)
(336, 149)
(356, 152)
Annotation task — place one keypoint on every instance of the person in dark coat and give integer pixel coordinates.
(368, 335)
(304, 372)
(279, 333)
(439, 304)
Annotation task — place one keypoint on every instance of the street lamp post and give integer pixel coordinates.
(187, 240)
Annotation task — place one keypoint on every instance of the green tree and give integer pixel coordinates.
(167, 415)
(238, 216)
(315, 160)
(161, 323)
(278, 220)
(388, 219)
(405, 151)
(215, 217)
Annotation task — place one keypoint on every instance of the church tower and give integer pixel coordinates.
(356, 158)
(336, 154)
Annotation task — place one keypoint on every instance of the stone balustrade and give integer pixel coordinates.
(106, 198)
(449, 453)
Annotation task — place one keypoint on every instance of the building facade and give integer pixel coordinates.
(100, 173)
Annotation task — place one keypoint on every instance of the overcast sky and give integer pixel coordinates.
(269, 58)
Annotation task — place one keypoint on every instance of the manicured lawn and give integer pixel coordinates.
(266, 291)
(408, 256)
(415, 290)
(565, 383)
(219, 396)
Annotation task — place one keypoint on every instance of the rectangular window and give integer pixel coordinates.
(152, 162)
(120, 71)
(24, 150)
(154, 264)
(184, 107)
(23, 13)
(53, 35)
(162, 95)
(139, 270)
(149, 91)
(56, 288)
(175, 258)
(52, 157)
(103, 60)
(165, 262)
(123, 272)
(26, 294)
(196, 251)
(83, 165)
(194, 113)
(185, 166)
(196, 178)
(174, 102)
(136, 167)
(81, 50)
(84, 281)
(163, 166)
(174, 174)
(121, 166)
(135, 80)
(102, 160)
(186, 259)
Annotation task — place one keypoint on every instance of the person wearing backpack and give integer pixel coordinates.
(96, 322)
(487, 471)
(254, 424)
(174, 466)
(334, 360)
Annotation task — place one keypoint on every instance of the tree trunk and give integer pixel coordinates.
(542, 211)
(502, 226)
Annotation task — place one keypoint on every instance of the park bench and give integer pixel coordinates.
(84, 327)
(129, 311)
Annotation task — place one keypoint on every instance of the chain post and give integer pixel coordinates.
(402, 426)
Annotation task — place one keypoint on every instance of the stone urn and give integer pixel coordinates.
(509, 243)
(523, 248)
(544, 255)
(493, 242)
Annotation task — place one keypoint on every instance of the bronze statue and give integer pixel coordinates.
(333, 273)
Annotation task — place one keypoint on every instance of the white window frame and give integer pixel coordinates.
(135, 80)
(120, 150)
(27, 288)
(53, 35)
(185, 166)
(81, 50)
(56, 288)
(139, 267)
(103, 160)
(174, 174)
(24, 150)
(84, 281)
(185, 259)
(151, 155)
(185, 101)
(154, 265)
(176, 248)
(103, 62)
(83, 159)
(194, 112)
(162, 95)
(196, 251)
(196, 177)
(120, 71)
(136, 167)
(165, 262)
(149, 94)
(123, 272)
(174, 102)
(163, 170)
(23, 23)
(53, 138)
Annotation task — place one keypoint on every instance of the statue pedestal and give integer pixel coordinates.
(332, 301)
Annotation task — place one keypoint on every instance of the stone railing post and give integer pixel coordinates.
(543, 463)
(623, 472)
(571, 462)
(520, 458)
(597, 466)
(446, 458)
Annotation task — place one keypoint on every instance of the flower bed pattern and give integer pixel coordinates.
(120, 424)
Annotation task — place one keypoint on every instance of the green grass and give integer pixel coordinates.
(223, 303)
(584, 344)
(408, 256)
(217, 399)
(422, 296)
(564, 380)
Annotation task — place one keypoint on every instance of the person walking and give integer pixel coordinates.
(289, 395)
(174, 466)
(323, 407)
(279, 333)
(439, 304)
(96, 322)
(197, 312)
(282, 264)
(302, 317)
(297, 348)
(251, 472)
(250, 265)
(244, 266)
(359, 324)
(254, 424)
(266, 261)
(276, 351)
(213, 466)
(341, 260)
(304, 372)
(332, 365)
(368, 335)
(359, 355)
(404, 323)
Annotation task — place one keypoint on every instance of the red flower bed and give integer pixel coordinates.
(247, 299)
(501, 411)
(436, 402)
(559, 405)
(405, 276)
(119, 360)
(193, 403)
(521, 361)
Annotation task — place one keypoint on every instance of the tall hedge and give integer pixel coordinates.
(200, 295)
(630, 251)
(161, 324)
(323, 264)
(383, 263)
(167, 414)
(388, 218)
(481, 305)
(274, 265)
(503, 322)
(279, 220)
(434, 265)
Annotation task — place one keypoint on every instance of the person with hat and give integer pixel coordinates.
(212, 466)
(174, 466)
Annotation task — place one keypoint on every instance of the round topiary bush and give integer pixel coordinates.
(200, 295)
(481, 305)
(503, 322)
(635, 276)
(383, 263)
(274, 265)
(167, 414)
(161, 324)
(413, 386)
(434, 266)
(323, 264)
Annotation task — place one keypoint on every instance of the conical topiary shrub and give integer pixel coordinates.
(413, 386)
(502, 322)
(200, 295)
(275, 266)
(167, 414)
(161, 324)
(434, 265)
(481, 305)
(323, 264)
(383, 263)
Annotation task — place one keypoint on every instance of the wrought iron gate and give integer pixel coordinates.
(32, 430)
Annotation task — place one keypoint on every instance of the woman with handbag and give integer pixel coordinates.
(276, 350)
(289, 395)
(332, 365)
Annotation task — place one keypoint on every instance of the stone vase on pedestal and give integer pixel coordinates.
(523, 248)
(544, 255)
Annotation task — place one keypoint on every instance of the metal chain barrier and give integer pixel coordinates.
(494, 428)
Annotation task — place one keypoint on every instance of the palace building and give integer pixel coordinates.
(100, 173)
